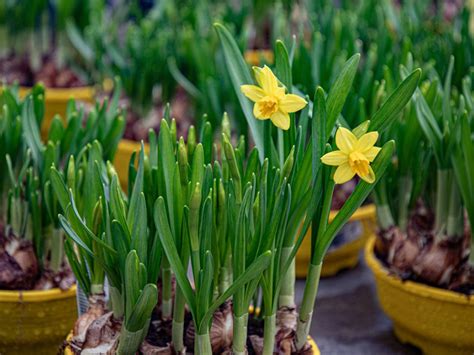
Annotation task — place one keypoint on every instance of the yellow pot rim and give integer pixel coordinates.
(63, 94)
(410, 286)
(363, 212)
(36, 295)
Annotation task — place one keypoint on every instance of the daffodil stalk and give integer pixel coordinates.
(274, 102)
(356, 155)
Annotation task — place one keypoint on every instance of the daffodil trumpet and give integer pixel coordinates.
(353, 157)
(356, 154)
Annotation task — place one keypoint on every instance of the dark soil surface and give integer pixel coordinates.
(17, 69)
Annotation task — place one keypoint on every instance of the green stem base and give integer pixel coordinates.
(307, 305)
(269, 334)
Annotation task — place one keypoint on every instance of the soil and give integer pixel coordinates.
(137, 128)
(16, 69)
(20, 269)
(418, 256)
(96, 326)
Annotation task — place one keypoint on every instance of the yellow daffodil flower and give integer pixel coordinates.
(353, 157)
(271, 101)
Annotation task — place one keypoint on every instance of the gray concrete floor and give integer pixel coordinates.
(348, 319)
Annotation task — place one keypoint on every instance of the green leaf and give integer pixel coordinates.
(143, 308)
(164, 232)
(139, 233)
(137, 190)
(31, 131)
(384, 116)
(131, 283)
(182, 80)
(240, 75)
(73, 235)
(339, 90)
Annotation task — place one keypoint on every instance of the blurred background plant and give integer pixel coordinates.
(33, 42)
(32, 252)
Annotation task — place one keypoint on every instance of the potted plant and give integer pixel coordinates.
(230, 217)
(36, 50)
(422, 256)
(37, 296)
(353, 236)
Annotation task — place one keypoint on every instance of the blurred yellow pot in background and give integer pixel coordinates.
(125, 150)
(56, 100)
(345, 256)
(35, 322)
(258, 56)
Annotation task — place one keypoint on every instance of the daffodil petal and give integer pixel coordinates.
(370, 177)
(266, 79)
(253, 92)
(372, 153)
(343, 174)
(291, 103)
(335, 158)
(345, 140)
(281, 120)
(367, 141)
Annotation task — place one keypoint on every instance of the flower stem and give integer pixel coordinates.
(56, 249)
(117, 302)
(177, 331)
(307, 305)
(240, 334)
(129, 342)
(442, 199)
(224, 279)
(384, 216)
(406, 185)
(455, 219)
(269, 334)
(287, 293)
(202, 345)
(166, 306)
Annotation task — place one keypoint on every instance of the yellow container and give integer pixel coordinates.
(122, 158)
(438, 321)
(35, 322)
(347, 255)
(256, 56)
(56, 100)
(68, 351)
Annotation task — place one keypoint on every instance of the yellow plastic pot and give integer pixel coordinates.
(256, 56)
(56, 100)
(125, 150)
(437, 321)
(347, 255)
(68, 351)
(35, 322)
